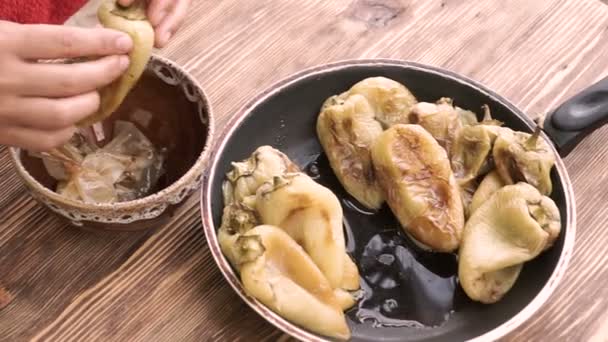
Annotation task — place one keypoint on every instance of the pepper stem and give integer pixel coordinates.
(540, 122)
(533, 139)
(248, 248)
(487, 115)
(446, 100)
(135, 11)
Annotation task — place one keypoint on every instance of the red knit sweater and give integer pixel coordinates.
(39, 11)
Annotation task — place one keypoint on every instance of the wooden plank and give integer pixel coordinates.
(71, 285)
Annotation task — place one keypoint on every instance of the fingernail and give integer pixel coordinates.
(123, 62)
(124, 43)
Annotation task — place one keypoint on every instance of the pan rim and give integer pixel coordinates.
(242, 113)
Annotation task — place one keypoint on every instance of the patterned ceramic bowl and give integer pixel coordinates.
(171, 109)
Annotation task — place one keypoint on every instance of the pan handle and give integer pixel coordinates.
(578, 117)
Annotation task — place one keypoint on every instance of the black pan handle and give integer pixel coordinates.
(578, 117)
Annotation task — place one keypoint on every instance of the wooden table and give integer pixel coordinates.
(62, 284)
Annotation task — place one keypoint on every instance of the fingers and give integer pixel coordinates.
(158, 10)
(41, 124)
(50, 114)
(54, 41)
(60, 80)
(35, 140)
(41, 102)
(169, 25)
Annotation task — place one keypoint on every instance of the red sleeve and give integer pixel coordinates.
(39, 11)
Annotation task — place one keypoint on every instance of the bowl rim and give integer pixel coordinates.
(196, 168)
(568, 227)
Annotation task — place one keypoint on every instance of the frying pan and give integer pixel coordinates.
(417, 286)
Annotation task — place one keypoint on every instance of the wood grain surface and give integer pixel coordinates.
(62, 284)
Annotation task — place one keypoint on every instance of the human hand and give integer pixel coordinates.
(41, 102)
(165, 16)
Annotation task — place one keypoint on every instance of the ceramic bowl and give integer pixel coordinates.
(423, 286)
(171, 109)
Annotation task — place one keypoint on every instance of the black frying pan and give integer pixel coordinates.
(412, 284)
